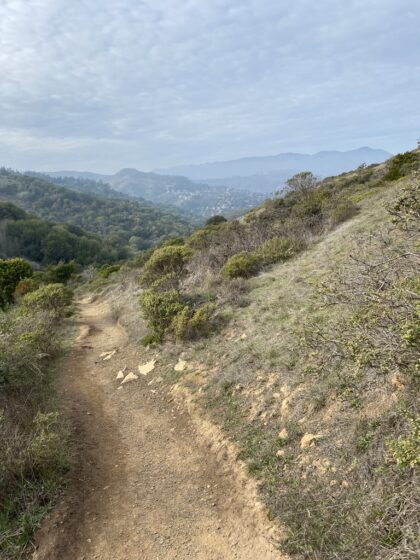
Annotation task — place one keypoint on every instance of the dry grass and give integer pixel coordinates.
(315, 438)
(341, 496)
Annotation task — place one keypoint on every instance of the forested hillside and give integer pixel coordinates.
(45, 242)
(81, 184)
(121, 222)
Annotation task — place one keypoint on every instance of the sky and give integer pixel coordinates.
(100, 85)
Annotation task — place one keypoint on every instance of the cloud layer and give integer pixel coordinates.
(102, 85)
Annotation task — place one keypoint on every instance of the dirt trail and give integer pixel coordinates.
(143, 486)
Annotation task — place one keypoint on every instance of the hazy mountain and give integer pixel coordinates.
(268, 172)
(199, 199)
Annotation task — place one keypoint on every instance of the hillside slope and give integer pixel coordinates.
(137, 222)
(311, 368)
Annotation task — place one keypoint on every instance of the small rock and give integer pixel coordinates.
(129, 377)
(284, 434)
(309, 440)
(120, 375)
(180, 366)
(108, 355)
(280, 453)
(146, 368)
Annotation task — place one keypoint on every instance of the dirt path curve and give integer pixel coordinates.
(142, 485)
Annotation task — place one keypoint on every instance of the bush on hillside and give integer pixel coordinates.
(53, 298)
(60, 273)
(193, 323)
(107, 269)
(279, 249)
(242, 265)
(166, 264)
(401, 165)
(12, 271)
(215, 220)
(405, 211)
(301, 183)
(159, 309)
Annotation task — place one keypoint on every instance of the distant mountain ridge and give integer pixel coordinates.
(269, 172)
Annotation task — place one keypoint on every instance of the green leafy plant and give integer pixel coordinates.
(167, 263)
(159, 309)
(51, 297)
(193, 323)
(242, 265)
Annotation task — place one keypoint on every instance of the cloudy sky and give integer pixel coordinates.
(100, 85)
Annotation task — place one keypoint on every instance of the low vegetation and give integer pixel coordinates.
(299, 327)
(316, 378)
(32, 438)
(190, 280)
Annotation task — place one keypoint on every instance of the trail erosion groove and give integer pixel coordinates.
(143, 484)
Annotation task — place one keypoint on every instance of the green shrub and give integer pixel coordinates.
(242, 265)
(12, 271)
(159, 309)
(405, 211)
(107, 269)
(279, 249)
(51, 297)
(169, 262)
(193, 323)
(27, 285)
(215, 220)
(401, 165)
(60, 273)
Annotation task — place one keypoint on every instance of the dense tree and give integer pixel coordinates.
(48, 243)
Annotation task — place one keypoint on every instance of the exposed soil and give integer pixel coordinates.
(143, 483)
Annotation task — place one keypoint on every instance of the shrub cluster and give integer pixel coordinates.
(401, 165)
(242, 265)
(168, 312)
(32, 442)
(209, 263)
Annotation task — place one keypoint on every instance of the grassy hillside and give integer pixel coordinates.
(299, 327)
(44, 242)
(121, 222)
